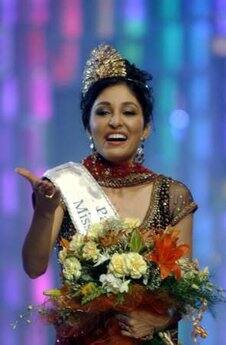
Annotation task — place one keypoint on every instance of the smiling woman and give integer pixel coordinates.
(116, 106)
(117, 124)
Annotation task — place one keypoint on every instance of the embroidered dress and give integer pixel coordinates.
(170, 202)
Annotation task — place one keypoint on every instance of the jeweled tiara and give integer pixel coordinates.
(104, 62)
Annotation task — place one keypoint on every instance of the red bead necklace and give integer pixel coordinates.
(122, 175)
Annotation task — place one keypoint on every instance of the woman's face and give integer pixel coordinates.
(117, 124)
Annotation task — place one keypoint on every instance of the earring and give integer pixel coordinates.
(139, 158)
(91, 144)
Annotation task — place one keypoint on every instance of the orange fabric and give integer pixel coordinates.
(90, 318)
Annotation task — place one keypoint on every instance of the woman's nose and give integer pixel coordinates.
(115, 120)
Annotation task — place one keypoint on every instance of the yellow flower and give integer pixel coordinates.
(87, 289)
(90, 251)
(71, 268)
(131, 223)
(117, 265)
(62, 255)
(76, 242)
(136, 265)
(95, 231)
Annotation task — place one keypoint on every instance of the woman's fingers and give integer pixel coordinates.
(28, 175)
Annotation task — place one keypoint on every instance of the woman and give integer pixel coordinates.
(116, 106)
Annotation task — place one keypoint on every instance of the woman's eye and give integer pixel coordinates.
(102, 112)
(129, 112)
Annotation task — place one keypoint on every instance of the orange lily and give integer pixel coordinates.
(167, 252)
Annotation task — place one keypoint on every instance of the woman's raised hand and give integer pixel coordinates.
(47, 196)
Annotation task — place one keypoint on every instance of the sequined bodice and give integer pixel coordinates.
(170, 202)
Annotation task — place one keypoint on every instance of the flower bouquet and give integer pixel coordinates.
(118, 267)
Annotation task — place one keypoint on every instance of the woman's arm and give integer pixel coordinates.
(45, 225)
(40, 239)
(185, 227)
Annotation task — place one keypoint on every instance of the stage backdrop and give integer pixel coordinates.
(43, 45)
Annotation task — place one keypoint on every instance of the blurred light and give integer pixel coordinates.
(170, 9)
(172, 46)
(66, 63)
(71, 18)
(40, 95)
(38, 12)
(202, 139)
(12, 278)
(7, 51)
(9, 98)
(201, 8)
(219, 46)
(179, 119)
(134, 24)
(105, 18)
(134, 52)
(199, 94)
(40, 284)
(134, 10)
(36, 48)
(9, 12)
(200, 34)
(9, 193)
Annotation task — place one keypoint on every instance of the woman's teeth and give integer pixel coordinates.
(116, 137)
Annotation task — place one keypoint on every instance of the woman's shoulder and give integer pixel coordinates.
(180, 198)
(174, 185)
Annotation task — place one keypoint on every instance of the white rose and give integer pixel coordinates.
(71, 268)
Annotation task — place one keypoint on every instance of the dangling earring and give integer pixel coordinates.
(139, 158)
(91, 144)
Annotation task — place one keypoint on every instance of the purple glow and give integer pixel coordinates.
(9, 193)
(12, 287)
(220, 6)
(34, 148)
(71, 18)
(221, 16)
(9, 98)
(134, 10)
(65, 64)
(38, 12)
(40, 93)
(9, 12)
(105, 19)
(36, 49)
(40, 284)
(6, 142)
(36, 334)
(6, 49)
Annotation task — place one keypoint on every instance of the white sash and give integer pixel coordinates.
(85, 200)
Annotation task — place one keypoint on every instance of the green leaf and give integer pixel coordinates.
(136, 243)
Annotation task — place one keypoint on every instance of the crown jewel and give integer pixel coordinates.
(104, 62)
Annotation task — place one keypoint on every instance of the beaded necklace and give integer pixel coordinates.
(110, 175)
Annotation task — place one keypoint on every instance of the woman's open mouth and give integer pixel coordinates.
(116, 139)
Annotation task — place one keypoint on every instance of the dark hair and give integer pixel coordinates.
(136, 80)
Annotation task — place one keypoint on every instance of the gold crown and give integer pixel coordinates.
(104, 62)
